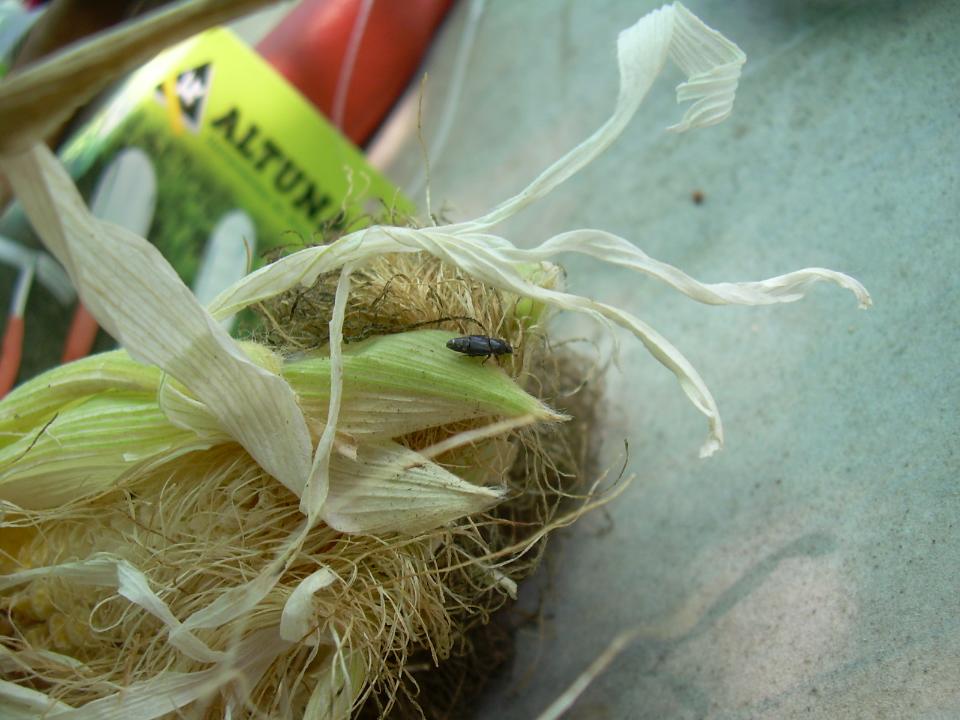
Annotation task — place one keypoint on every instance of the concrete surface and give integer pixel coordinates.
(810, 569)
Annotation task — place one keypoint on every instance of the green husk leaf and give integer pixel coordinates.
(34, 402)
(397, 384)
(67, 437)
(87, 447)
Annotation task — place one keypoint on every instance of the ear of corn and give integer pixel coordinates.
(79, 429)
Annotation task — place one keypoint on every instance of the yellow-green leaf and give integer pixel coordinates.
(87, 447)
(396, 384)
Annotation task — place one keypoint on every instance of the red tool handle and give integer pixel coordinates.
(81, 336)
(309, 45)
(10, 353)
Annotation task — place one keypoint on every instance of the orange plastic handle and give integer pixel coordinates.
(309, 45)
(10, 353)
(81, 336)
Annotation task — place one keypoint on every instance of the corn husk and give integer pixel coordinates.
(103, 418)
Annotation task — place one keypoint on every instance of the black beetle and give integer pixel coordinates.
(479, 346)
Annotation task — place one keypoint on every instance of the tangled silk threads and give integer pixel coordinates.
(213, 519)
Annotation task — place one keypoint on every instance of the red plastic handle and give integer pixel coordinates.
(81, 336)
(10, 353)
(309, 45)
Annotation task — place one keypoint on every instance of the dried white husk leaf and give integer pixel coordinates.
(103, 570)
(161, 694)
(157, 697)
(296, 623)
(342, 677)
(137, 297)
(386, 488)
(22, 702)
(619, 251)
(16, 661)
(390, 488)
(169, 691)
(315, 493)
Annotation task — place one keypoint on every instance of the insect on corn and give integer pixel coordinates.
(480, 346)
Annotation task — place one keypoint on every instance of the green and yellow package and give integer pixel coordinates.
(212, 156)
